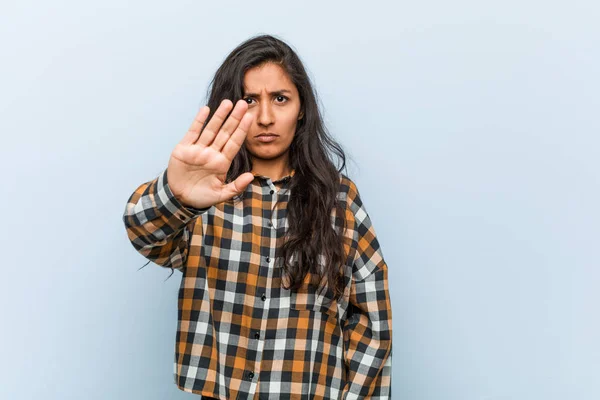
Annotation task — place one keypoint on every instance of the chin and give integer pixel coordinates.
(269, 154)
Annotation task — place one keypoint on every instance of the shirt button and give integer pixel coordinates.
(270, 223)
(182, 217)
(250, 375)
(272, 191)
(257, 335)
(263, 297)
(268, 259)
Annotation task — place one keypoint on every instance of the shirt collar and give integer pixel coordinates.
(289, 176)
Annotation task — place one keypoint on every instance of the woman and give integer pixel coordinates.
(284, 293)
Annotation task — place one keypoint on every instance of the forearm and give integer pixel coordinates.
(368, 339)
(158, 225)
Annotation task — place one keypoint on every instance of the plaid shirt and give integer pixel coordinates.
(240, 334)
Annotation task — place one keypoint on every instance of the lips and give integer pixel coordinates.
(266, 137)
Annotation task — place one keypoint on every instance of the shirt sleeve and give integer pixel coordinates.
(368, 328)
(158, 225)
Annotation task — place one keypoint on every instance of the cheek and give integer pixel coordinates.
(289, 122)
(252, 111)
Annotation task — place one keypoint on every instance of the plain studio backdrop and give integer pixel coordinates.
(473, 136)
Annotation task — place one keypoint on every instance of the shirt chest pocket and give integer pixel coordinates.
(307, 297)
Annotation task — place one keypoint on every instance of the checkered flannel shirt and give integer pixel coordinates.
(240, 335)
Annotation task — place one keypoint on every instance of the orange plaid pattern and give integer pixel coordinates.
(240, 334)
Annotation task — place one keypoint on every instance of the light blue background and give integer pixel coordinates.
(473, 131)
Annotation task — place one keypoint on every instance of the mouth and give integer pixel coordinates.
(267, 137)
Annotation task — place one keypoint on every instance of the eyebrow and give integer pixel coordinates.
(270, 93)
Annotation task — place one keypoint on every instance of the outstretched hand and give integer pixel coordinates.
(199, 163)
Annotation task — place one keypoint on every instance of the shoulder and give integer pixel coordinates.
(350, 199)
(348, 190)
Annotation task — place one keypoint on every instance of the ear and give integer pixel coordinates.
(300, 116)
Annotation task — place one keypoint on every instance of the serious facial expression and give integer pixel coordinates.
(274, 100)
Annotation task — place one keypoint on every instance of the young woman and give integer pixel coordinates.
(284, 293)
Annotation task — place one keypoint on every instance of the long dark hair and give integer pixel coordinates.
(315, 184)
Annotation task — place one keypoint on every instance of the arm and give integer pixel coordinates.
(368, 329)
(158, 225)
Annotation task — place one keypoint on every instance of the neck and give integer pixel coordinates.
(274, 169)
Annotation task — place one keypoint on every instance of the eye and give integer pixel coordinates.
(281, 99)
(249, 100)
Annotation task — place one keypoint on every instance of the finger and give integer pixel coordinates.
(194, 132)
(232, 147)
(239, 185)
(230, 125)
(213, 126)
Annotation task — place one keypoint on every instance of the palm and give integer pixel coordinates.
(199, 163)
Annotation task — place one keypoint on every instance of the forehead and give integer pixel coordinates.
(267, 77)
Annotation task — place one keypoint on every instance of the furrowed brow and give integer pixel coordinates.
(276, 92)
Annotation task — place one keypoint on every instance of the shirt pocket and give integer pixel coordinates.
(308, 297)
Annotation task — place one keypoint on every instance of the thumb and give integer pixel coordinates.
(239, 185)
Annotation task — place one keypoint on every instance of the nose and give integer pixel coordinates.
(265, 115)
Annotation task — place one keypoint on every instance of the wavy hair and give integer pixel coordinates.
(312, 245)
